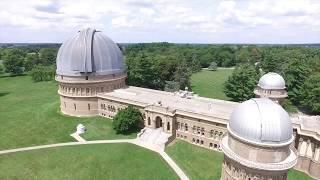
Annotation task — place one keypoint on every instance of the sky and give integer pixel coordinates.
(176, 21)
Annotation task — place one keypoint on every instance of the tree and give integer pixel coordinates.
(141, 72)
(127, 120)
(1, 68)
(311, 93)
(48, 56)
(172, 86)
(240, 85)
(295, 75)
(213, 66)
(182, 75)
(31, 60)
(14, 61)
(270, 63)
(43, 73)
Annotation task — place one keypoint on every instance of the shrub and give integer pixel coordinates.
(127, 120)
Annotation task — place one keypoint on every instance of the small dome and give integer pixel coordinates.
(89, 52)
(272, 80)
(261, 120)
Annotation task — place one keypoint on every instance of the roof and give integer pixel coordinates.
(89, 52)
(261, 121)
(272, 80)
(173, 101)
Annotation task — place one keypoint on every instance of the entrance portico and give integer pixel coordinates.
(159, 123)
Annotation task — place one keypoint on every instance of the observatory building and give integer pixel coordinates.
(87, 64)
(257, 136)
(272, 86)
(258, 142)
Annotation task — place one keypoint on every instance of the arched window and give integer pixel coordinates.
(198, 130)
(211, 133)
(168, 126)
(194, 129)
(202, 131)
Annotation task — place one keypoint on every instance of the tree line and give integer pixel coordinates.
(39, 62)
(300, 67)
(167, 66)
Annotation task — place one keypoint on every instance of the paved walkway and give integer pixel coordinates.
(77, 137)
(137, 142)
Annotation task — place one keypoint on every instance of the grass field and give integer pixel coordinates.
(197, 162)
(109, 161)
(29, 115)
(210, 83)
(204, 164)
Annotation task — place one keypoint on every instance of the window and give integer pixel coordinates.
(168, 126)
(89, 107)
(75, 106)
(211, 133)
(201, 142)
(87, 77)
(197, 141)
(182, 126)
(198, 130)
(210, 145)
(186, 127)
(194, 129)
(202, 131)
(193, 140)
(215, 146)
(149, 121)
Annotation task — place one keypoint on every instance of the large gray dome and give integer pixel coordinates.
(89, 52)
(272, 80)
(262, 121)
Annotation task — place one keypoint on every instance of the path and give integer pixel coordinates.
(219, 68)
(137, 142)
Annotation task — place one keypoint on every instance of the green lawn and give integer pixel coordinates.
(29, 115)
(108, 161)
(298, 175)
(210, 83)
(200, 163)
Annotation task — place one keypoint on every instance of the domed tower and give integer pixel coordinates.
(257, 145)
(87, 64)
(272, 86)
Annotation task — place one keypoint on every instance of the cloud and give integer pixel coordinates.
(52, 7)
(212, 19)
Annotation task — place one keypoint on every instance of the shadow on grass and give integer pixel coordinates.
(4, 93)
(12, 75)
(132, 131)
